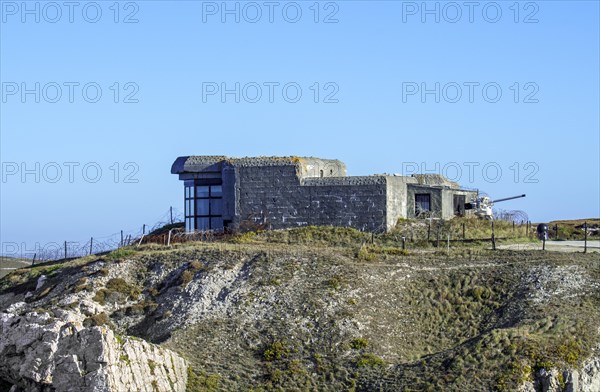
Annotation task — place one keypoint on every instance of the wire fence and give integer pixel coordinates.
(168, 229)
(97, 245)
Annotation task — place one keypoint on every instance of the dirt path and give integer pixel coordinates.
(556, 246)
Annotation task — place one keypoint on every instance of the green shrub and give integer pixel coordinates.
(359, 343)
(121, 286)
(115, 290)
(369, 360)
(201, 382)
(276, 350)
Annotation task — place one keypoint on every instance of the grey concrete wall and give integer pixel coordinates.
(396, 200)
(269, 195)
(358, 202)
(277, 197)
(448, 201)
(228, 176)
(434, 192)
(315, 167)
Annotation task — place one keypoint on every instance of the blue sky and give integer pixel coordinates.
(542, 132)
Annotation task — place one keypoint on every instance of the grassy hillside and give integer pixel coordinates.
(333, 309)
(572, 229)
(7, 264)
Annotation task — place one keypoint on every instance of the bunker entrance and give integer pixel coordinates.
(459, 205)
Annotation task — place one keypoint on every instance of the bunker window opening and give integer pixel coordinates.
(321, 173)
(422, 202)
(204, 206)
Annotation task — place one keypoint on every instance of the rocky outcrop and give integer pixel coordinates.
(39, 352)
(249, 315)
(585, 379)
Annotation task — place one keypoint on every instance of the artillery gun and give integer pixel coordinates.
(483, 205)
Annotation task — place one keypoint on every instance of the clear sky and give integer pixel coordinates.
(499, 96)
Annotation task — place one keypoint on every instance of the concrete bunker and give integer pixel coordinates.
(222, 193)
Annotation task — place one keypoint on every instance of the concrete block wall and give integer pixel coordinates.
(359, 202)
(278, 197)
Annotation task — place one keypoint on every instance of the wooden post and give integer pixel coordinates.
(585, 237)
(65, 249)
(143, 229)
(33, 261)
(121, 238)
(513, 227)
(91, 245)
(403, 243)
(171, 213)
(429, 231)
(493, 237)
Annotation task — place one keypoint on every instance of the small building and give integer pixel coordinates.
(285, 192)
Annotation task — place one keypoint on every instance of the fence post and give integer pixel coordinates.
(448, 244)
(403, 243)
(91, 245)
(493, 237)
(33, 261)
(65, 249)
(143, 229)
(556, 231)
(121, 239)
(429, 230)
(585, 237)
(171, 213)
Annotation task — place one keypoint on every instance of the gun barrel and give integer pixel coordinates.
(508, 198)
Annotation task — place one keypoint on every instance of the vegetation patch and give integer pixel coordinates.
(121, 286)
(152, 366)
(96, 320)
(359, 343)
(117, 290)
(276, 350)
(202, 382)
(369, 360)
(119, 254)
